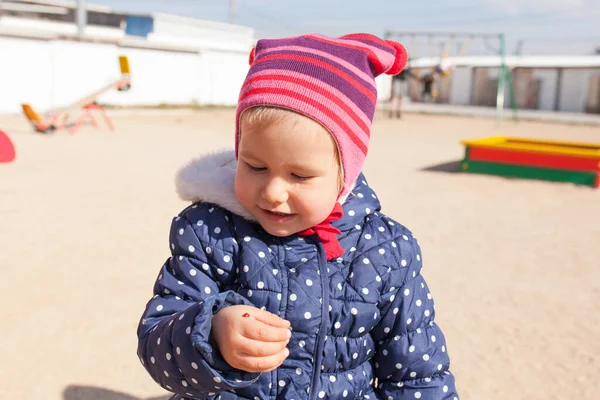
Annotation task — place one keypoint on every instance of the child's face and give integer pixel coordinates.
(287, 174)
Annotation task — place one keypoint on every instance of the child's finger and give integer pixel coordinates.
(270, 318)
(263, 364)
(252, 348)
(257, 330)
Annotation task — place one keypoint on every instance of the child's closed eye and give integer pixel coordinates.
(255, 168)
(300, 177)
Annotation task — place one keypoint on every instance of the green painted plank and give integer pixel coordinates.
(518, 171)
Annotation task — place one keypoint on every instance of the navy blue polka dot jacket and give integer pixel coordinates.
(362, 325)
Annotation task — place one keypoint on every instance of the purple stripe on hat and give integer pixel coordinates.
(348, 153)
(345, 52)
(325, 86)
(385, 56)
(328, 77)
(374, 43)
(354, 56)
(368, 86)
(269, 43)
(348, 123)
(324, 56)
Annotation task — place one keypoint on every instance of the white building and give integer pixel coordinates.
(550, 83)
(186, 61)
(174, 60)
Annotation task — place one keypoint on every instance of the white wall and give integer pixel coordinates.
(206, 34)
(184, 61)
(226, 73)
(384, 88)
(547, 95)
(23, 78)
(158, 77)
(50, 73)
(573, 96)
(461, 86)
(574, 89)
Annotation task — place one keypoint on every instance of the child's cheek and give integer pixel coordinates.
(240, 184)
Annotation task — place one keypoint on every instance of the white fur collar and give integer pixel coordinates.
(210, 179)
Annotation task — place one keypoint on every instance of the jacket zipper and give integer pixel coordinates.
(324, 320)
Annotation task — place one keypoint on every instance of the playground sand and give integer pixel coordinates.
(512, 264)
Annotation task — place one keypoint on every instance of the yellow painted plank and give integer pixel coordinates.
(124, 63)
(591, 150)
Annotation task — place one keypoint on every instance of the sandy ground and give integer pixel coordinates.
(514, 265)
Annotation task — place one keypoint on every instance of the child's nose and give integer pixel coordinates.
(275, 191)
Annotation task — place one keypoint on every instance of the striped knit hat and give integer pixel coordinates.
(331, 80)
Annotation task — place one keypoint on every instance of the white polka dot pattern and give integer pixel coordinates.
(365, 315)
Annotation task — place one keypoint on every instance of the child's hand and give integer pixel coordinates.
(254, 344)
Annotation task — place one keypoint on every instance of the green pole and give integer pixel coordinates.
(501, 79)
(511, 91)
(511, 88)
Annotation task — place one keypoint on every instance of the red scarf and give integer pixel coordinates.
(327, 233)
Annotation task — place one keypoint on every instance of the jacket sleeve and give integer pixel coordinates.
(174, 335)
(411, 361)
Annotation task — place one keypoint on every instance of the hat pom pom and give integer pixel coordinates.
(251, 57)
(401, 58)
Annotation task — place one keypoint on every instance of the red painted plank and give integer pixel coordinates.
(557, 161)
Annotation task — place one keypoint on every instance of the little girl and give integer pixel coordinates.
(285, 279)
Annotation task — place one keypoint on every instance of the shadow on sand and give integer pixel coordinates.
(448, 167)
(74, 392)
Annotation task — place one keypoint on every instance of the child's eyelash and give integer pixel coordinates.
(301, 178)
(257, 169)
(295, 176)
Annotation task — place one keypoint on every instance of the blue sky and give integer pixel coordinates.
(546, 26)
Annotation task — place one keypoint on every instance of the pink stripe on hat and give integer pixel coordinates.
(332, 89)
(319, 94)
(382, 56)
(321, 113)
(368, 79)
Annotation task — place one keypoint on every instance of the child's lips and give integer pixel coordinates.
(277, 216)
